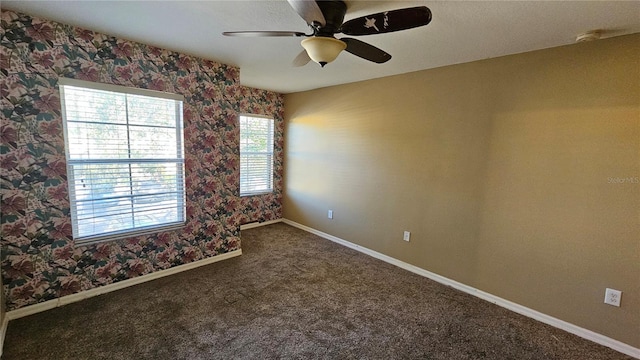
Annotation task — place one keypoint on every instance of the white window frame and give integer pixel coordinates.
(269, 154)
(178, 160)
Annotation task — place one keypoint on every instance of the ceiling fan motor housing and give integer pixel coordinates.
(333, 11)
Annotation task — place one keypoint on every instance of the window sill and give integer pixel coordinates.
(91, 240)
(257, 193)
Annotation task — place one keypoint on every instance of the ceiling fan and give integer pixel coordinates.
(325, 18)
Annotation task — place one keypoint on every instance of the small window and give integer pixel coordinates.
(256, 155)
(125, 163)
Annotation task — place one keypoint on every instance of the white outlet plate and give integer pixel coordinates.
(330, 214)
(407, 236)
(612, 297)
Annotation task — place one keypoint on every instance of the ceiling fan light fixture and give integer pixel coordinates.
(323, 50)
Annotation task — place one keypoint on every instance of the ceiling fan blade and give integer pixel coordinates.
(366, 51)
(388, 21)
(309, 11)
(263, 33)
(302, 59)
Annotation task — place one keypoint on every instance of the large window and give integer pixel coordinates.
(256, 155)
(125, 163)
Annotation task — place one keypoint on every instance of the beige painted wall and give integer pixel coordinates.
(504, 170)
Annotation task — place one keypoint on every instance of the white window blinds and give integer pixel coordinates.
(256, 155)
(125, 162)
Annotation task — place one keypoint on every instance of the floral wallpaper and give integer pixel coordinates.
(39, 258)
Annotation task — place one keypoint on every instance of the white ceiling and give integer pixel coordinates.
(461, 31)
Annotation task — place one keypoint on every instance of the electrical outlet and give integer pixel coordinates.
(330, 214)
(612, 297)
(407, 236)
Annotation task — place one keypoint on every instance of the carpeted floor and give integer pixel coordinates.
(291, 295)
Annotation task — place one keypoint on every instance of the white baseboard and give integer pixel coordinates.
(3, 331)
(50, 304)
(522, 310)
(258, 224)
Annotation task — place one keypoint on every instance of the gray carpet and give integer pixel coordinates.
(291, 295)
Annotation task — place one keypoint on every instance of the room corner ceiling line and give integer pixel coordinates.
(51, 304)
(509, 305)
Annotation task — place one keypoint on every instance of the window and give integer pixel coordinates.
(125, 163)
(256, 155)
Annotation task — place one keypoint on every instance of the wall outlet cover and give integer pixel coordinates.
(612, 297)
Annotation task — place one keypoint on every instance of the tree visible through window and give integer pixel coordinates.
(256, 155)
(125, 161)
